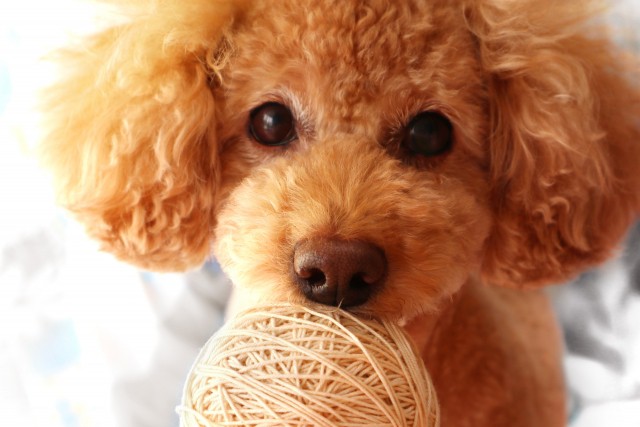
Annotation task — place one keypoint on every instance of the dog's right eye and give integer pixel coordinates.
(428, 134)
(272, 124)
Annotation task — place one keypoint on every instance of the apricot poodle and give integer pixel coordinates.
(436, 161)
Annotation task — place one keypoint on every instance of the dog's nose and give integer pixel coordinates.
(338, 272)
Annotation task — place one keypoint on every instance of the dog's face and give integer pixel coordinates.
(342, 148)
(358, 153)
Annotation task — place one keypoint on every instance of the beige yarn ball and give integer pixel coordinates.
(288, 365)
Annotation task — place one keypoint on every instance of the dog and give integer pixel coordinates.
(432, 161)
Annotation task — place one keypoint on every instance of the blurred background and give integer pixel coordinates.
(86, 341)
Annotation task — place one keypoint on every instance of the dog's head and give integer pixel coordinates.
(352, 152)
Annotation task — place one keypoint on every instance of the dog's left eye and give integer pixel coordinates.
(272, 124)
(428, 134)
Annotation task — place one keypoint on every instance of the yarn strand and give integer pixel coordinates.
(289, 365)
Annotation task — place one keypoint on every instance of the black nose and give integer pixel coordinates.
(338, 272)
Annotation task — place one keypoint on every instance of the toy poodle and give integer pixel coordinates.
(434, 161)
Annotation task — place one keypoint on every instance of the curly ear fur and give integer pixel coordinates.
(565, 143)
(131, 139)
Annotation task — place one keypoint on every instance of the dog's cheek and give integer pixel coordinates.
(251, 242)
(437, 245)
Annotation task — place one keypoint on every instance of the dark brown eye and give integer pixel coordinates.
(272, 124)
(428, 134)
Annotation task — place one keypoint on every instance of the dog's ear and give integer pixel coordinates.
(564, 140)
(130, 131)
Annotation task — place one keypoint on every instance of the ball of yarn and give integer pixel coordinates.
(288, 365)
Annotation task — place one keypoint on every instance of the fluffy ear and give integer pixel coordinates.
(564, 144)
(131, 131)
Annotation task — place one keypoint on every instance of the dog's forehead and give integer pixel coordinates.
(345, 57)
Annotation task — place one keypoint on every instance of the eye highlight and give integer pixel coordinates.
(272, 124)
(428, 134)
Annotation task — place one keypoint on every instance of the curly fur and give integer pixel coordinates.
(131, 136)
(148, 142)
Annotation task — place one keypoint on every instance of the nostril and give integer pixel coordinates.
(359, 282)
(312, 276)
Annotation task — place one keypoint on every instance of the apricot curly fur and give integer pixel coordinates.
(130, 137)
(565, 140)
(138, 158)
(147, 138)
